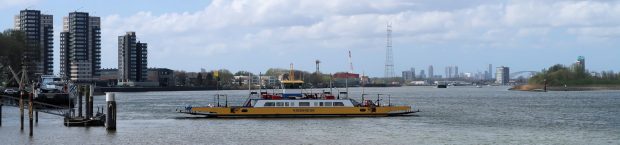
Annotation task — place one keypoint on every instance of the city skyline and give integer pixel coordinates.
(226, 34)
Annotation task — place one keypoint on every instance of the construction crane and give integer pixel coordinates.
(291, 77)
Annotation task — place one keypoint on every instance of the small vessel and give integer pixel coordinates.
(97, 120)
(442, 86)
(301, 105)
(51, 90)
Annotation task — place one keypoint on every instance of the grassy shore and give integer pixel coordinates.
(530, 87)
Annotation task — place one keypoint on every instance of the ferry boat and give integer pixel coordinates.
(284, 104)
(301, 105)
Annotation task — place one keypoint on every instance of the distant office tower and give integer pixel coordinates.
(132, 59)
(580, 65)
(451, 72)
(502, 75)
(486, 75)
(490, 72)
(409, 74)
(447, 72)
(422, 75)
(430, 72)
(80, 47)
(413, 73)
(581, 61)
(456, 72)
(39, 40)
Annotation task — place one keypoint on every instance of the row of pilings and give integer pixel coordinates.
(33, 114)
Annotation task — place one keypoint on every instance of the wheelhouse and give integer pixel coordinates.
(302, 103)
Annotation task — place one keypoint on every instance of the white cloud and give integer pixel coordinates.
(279, 26)
(562, 13)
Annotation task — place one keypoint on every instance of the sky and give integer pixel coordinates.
(253, 35)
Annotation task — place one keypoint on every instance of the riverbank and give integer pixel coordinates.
(101, 90)
(564, 88)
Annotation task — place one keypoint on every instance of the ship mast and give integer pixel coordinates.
(362, 83)
(346, 81)
(250, 82)
(291, 74)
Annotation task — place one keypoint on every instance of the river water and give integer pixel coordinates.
(459, 115)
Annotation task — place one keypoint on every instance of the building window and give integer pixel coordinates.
(338, 104)
(304, 103)
(269, 104)
(329, 104)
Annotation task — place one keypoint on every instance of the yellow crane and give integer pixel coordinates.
(291, 77)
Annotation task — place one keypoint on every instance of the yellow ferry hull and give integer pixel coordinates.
(299, 111)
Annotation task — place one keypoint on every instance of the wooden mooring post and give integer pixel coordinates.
(1, 111)
(545, 87)
(30, 109)
(80, 91)
(21, 110)
(89, 101)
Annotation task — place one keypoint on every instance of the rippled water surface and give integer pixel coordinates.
(460, 115)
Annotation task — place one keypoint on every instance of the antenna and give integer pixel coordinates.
(331, 77)
(389, 56)
(346, 80)
(350, 63)
(317, 74)
(362, 82)
(291, 75)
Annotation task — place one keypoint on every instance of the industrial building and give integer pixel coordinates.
(502, 75)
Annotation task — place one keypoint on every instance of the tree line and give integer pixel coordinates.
(560, 75)
(225, 78)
